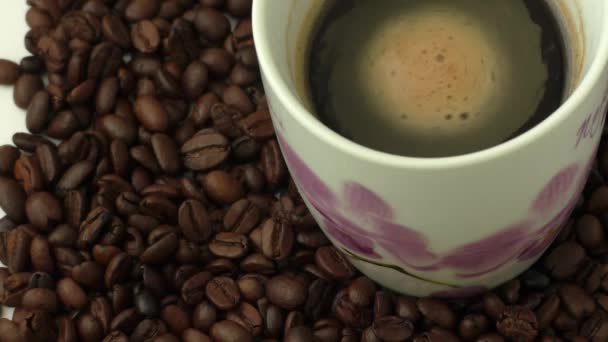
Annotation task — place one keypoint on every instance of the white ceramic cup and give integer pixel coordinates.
(446, 227)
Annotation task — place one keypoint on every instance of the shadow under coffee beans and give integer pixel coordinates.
(434, 78)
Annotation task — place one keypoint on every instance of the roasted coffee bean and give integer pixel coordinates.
(88, 273)
(333, 263)
(277, 239)
(565, 260)
(9, 72)
(195, 78)
(219, 62)
(223, 293)
(176, 318)
(242, 217)
(162, 243)
(229, 331)
(236, 97)
(222, 187)
(206, 150)
(27, 171)
(8, 157)
(71, 294)
(75, 175)
(17, 245)
(204, 316)
(493, 306)
(212, 24)
(49, 161)
(518, 324)
(349, 314)
(38, 114)
(193, 290)
(287, 291)
(437, 312)
(201, 112)
(318, 301)
(272, 163)
(194, 221)
(26, 86)
(101, 309)
(151, 113)
(145, 36)
(115, 30)
(229, 245)
(40, 255)
(12, 199)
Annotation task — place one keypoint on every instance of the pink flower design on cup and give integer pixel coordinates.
(363, 223)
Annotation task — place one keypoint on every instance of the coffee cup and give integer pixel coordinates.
(450, 226)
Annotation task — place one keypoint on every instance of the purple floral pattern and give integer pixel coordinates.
(362, 222)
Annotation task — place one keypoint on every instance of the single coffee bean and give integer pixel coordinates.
(146, 304)
(361, 291)
(565, 260)
(251, 287)
(38, 115)
(257, 263)
(176, 318)
(299, 334)
(40, 255)
(151, 113)
(272, 163)
(258, 126)
(242, 217)
(518, 324)
(17, 245)
(75, 175)
(71, 294)
(67, 330)
(126, 321)
(117, 270)
(29, 142)
(225, 331)
(229, 245)
(333, 263)
(222, 187)
(320, 296)
(287, 291)
(236, 97)
(392, 328)
(166, 153)
(28, 172)
(149, 329)
(160, 247)
(9, 72)
(596, 327)
(548, 311)
(12, 199)
(437, 312)
(194, 221)
(49, 161)
(590, 233)
(195, 78)
(26, 86)
(218, 61)
(204, 316)
(201, 112)
(145, 36)
(223, 293)
(225, 119)
(206, 150)
(277, 239)
(212, 24)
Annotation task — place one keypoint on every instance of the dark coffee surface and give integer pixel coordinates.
(435, 78)
(149, 222)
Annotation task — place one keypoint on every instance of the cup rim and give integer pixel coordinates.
(308, 120)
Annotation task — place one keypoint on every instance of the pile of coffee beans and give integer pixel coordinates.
(150, 202)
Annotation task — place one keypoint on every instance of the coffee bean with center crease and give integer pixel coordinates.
(242, 217)
(333, 263)
(273, 164)
(193, 290)
(518, 324)
(163, 241)
(28, 172)
(229, 245)
(277, 239)
(17, 245)
(205, 150)
(145, 36)
(194, 221)
(223, 293)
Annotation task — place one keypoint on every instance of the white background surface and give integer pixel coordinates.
(12, 33)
